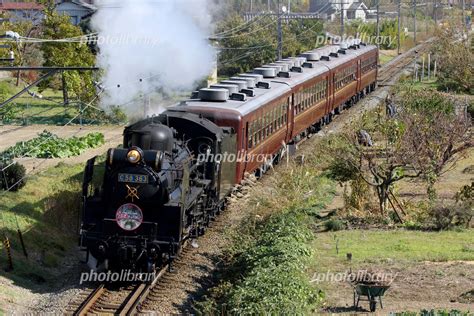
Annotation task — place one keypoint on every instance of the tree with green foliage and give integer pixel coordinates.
(79, 84)
(255, 43)
(8, 111)
(25, 53)
(455, 61)
(12, 177)
(368, 30)
(239, 6)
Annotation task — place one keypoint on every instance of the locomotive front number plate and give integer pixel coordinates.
(132, 178)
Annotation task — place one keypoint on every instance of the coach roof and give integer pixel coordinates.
(278, 85)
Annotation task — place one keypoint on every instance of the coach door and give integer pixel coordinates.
(290, 117)
(330, 85)
(359, 74)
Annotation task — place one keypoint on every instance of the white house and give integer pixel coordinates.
(76, 9)
(330, 9)
(21, 11)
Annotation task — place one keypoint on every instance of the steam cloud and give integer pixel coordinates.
(162, 42)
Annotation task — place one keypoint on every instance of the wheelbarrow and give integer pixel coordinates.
(369, 293)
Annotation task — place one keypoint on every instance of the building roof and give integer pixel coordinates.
(20, 6)
(358, 6)
(82, 3)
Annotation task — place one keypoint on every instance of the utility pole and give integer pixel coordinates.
(378, 22)
(280, 34)
(398, 26)
(251, 6)
(342, 17)
(463, 3)
(414, 21)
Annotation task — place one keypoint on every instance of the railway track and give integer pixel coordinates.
(135, 299)
(113, 299)
(390, 69)
(120, 299)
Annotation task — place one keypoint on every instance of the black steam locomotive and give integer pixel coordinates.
(155, 193)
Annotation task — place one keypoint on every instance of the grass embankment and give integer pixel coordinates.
(46, 210)
(48, 109)
(387, 55)
(266, 268)
(381, 246)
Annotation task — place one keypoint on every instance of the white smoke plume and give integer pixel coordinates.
(148, 46)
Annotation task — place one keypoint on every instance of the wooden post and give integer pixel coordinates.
(20, 235)
(429, 66)
(65, 93)
(422, 68)
(6, 243)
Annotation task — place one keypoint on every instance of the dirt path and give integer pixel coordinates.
(417, 286)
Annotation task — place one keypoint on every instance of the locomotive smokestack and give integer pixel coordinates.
(155, 41)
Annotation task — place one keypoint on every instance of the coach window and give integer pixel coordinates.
(269, 122)
(265, 126)
(279, 116)
(308, 104)
(269, 126)
(300, 100)
(270, 129)
(258, 131)
(306, 99)
(297, 105)
(272, 120)
(282, 106)
(249, 134)
(255, 132)
(275, 119)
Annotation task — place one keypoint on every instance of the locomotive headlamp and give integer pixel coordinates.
(134, 156)
(129, 217)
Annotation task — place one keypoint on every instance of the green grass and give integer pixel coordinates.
(48, 110)
(383, 59)
(47, 213)
(378, 246)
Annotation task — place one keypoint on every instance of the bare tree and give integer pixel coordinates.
(419, 142)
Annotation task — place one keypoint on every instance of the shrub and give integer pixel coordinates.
(447, 216)
(334, 225)
(117, 115)
(13, 177)
(342, 171)
(268, 276)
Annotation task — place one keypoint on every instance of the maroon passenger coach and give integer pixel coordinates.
(280, 103)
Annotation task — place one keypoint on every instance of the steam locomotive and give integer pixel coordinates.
(165, 184)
